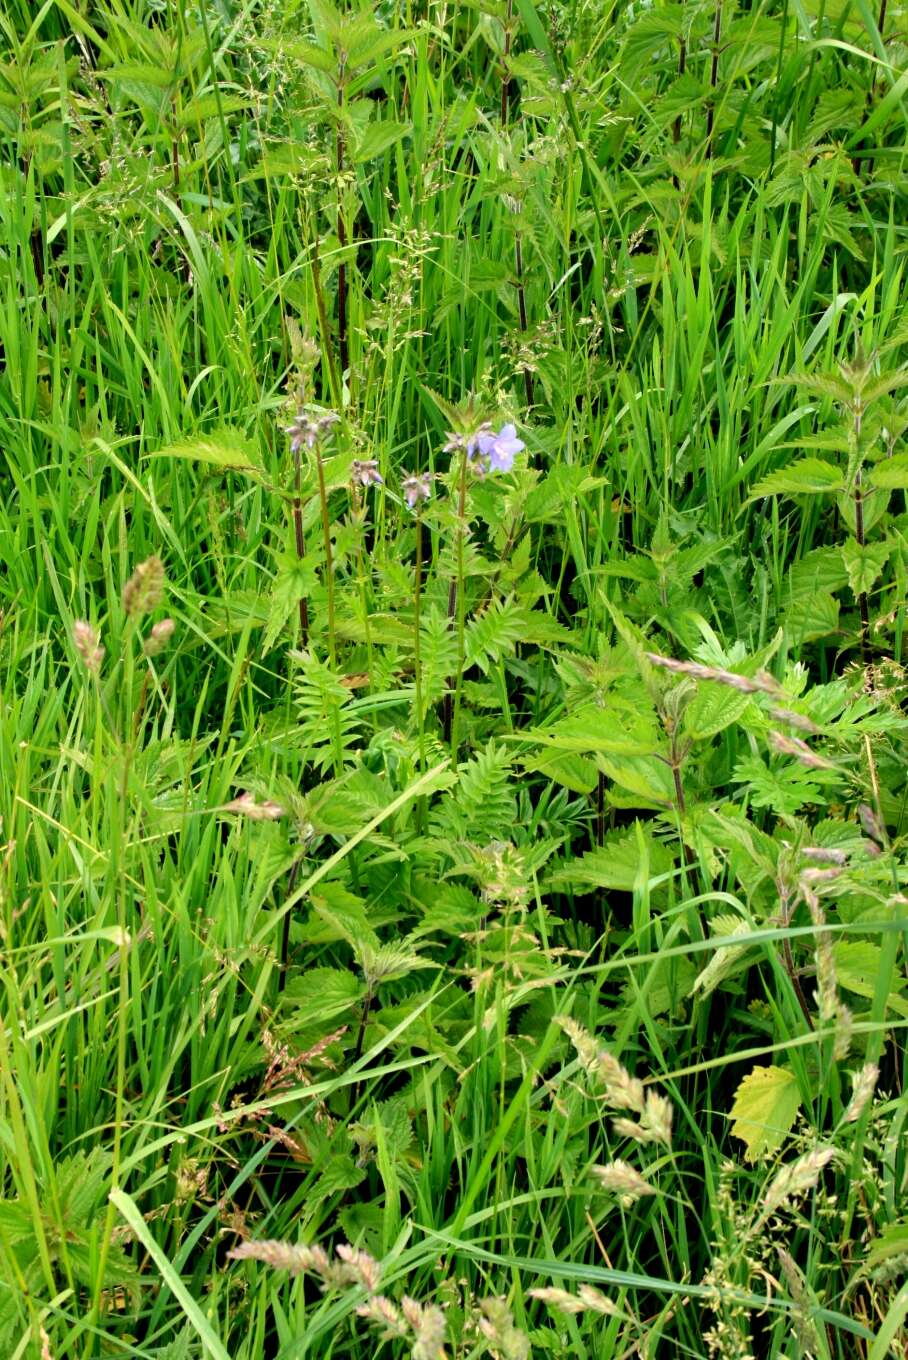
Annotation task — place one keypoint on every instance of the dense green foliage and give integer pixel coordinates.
(507, 884)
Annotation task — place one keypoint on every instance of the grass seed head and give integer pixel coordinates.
(87, 644)
(863, 1086)
(796, 1179)
(144, 590)
(159, 637)
(621, 1179)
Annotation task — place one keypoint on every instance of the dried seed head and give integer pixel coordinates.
(594, 1300)
(794, 746)
(760, 684)
(622, 1091)
(278, 1255)
(823, 854)
(246, 806)
(144, 590)
(658, 1117)
(382, 1311)
(159, 637)
(557, 1298)
(796, 1179)
(844, 1028)
(427, 1324)
(872, 825)
(864, 1083)
(497, 1326)
(621, 1179)
(88, 646)
(363, 1269)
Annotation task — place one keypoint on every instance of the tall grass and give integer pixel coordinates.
(352, 915)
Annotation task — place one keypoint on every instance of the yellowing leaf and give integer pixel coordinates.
(765, 1107)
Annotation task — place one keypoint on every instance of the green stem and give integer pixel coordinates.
(329, 557)
(417, 666)
(456, 611)
(300, 548)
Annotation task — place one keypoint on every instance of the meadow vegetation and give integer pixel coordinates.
(452, 748)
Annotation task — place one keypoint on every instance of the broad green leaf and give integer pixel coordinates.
(568, 768)
(713, 708)
(322, 995)
(294, 582)
(812, 617)
(645, 776)
(864, 564)
(220, 448)
(806, 477)
(376, 138)
(857, 966)
(765, 1107)
(890, 473)
(617, 864)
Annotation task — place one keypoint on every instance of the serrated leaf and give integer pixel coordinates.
(890, 473)
(864, 564)
(376, 138)
(765, 1108)
(646, 777)
(814, 616)
(320, 995)
(857, 966)
(221, 448)
(805, 477)
(713, 708)
(618, 864)
(570, 769)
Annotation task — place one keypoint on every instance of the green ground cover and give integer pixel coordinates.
(453, 551)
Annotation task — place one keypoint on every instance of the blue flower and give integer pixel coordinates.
(500, 449)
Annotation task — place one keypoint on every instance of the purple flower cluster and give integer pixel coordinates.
(486, 449)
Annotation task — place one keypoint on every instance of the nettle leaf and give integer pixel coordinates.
(890, 473)
(765, 1108)
(805, 477)
(864, 563)
(857, 966)
(818, 572)
(785, 788)
(339, 915)
(621, 863)
(220, 448)
(713, 708)
(320, 995)
(570, 769)
(294, 581)
(815, 616)
(376, 138)
(646, 777)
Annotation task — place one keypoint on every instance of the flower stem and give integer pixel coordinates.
(456, 612)
(329, 557)
(300, 548)
(417, 667)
